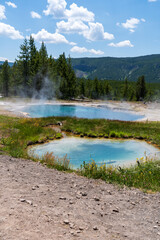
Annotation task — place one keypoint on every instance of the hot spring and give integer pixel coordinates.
(101, 151)
(47, 110)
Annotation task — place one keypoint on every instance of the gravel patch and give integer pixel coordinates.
(38, 203)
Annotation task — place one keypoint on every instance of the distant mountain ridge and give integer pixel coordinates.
(112, 68)
(10, 63)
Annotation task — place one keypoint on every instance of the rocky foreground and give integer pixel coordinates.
(39, 203)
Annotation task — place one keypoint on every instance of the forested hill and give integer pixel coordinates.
(119, 68)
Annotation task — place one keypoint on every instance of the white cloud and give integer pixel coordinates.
(143, 20)
(92, 31)
(56, 8)
(11, 4)
(79, 13)
(35, 15)
(3, 59)
(96, 52)
(47, 37)
(9, 31)
(152, 0)
(131, 23)
(71, 26)
(76, 17)
(125, 43)
(2, 12)
(85, 50)
(96, 32)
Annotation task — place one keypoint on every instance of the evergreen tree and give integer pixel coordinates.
(125, 89)
(82, 87)
(95, 92)
(24, 66)
(33, 57)
(43, 59)
(5, 78)
(68, 78)
(141, 88)
(101, 88)
(71, 80)
(88, 88)
(42, 68)
(107, 89)
(62, 66)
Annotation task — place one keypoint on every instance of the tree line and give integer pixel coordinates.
(34, 74)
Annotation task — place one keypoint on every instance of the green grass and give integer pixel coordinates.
(61, 164)
(17, 134)
(144, 175)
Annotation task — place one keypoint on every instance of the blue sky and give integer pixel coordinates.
(117, 28)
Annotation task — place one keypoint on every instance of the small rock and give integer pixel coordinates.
(84, 194)
(95, 228)
(96, 199)
(155, 226)
(66, 221)
(109, 192)
(81, 228)
(29, 202)
(62, 198)
(22, 200)
(78, 196)
(116, 210)
(71, 225)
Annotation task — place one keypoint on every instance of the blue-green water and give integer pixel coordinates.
(80, 112)
(102, 151)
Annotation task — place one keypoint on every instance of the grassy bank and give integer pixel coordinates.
(17, 134)
(149, 131)
(144, 175)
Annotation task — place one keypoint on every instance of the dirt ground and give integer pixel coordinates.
(37, 203)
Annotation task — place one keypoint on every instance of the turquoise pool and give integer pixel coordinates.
(102, 151)
(47, 110)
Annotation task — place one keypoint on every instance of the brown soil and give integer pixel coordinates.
(38, 203)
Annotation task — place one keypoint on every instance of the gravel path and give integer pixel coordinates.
(39, 203)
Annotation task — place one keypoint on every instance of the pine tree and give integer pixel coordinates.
(125, 89)
(82, 87)
(5, 78)
(62, 66)
(95, 93)
(107, 88)
(24, 66)
(141, 88)
(68, 78)
(33, 57)
(71, 80)
(41, 68)
(43, 59)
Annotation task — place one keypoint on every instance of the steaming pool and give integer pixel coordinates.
(48, 110)
(102, 151)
